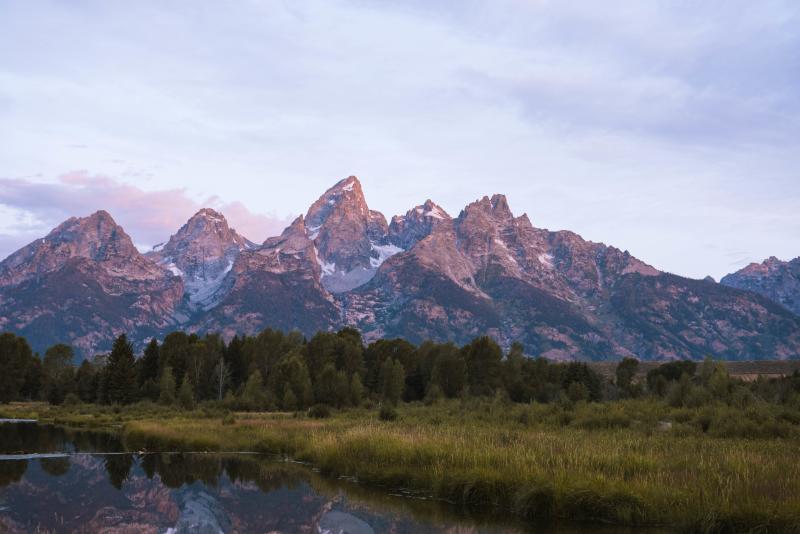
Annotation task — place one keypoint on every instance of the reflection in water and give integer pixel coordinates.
(118, 466)
(12, 471)
(96, 488)
(55, 466)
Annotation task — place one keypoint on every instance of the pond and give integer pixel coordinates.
(59, 480)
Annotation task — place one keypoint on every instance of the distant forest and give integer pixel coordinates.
(285, 371)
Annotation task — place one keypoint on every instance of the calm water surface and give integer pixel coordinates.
(57, 480)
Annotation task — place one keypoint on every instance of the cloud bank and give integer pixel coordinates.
(33, 208)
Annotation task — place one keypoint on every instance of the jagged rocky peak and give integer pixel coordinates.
(202, 252)
(97, 238)
(291, 251)
(294, 238)
(351, 240)
(406, 230)
(490, 235)
(773, 278)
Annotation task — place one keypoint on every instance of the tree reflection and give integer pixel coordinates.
(55, 466)
(118, 467)
(12, 471)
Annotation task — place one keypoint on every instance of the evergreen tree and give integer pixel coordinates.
(234, 356)
(484, 365)
(34, 379)
(449, 370)
(626, 371)
(393, 379)
(148, 363)
(15, 357)
(121, 373)
(166, 393)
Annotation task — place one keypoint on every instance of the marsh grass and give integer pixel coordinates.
(610, 463)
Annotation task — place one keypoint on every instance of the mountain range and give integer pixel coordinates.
(421, 275)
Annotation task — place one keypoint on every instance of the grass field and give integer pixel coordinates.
(630, 462)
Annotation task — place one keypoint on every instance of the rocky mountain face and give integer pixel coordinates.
(84, 284)
(202, 252)
(775, 279)
(350, 239)
(426, 275)
(279, 284)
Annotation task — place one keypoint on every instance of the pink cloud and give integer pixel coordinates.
(149, 217)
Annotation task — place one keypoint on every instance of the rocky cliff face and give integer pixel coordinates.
(424, 276)
(201, 253)
(775, 279)
(278, 284)
(84, 284)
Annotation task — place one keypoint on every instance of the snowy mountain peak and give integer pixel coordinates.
(344, 231)
(202, 253)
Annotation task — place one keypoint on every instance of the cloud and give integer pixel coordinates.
(149, 217)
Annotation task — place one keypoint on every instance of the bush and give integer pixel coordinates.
(319, 411)
(387, 413)
(229, 419)
(71, 400)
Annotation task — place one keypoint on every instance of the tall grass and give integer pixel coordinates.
(537, 462)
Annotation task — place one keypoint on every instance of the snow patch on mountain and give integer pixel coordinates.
(436, 213)
(313, 231)
(384, 253)
(202, 292)
(173, 268)
(546, 260)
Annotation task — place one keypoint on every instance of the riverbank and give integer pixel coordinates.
(627, 463)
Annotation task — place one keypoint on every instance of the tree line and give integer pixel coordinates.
(274, 370)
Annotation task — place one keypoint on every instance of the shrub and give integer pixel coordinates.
(229, 419)
(319, 411)
(387, 413)
(71, 400)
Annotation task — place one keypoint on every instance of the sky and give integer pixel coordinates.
(669, 129)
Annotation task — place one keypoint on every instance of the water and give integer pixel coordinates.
(58, 480)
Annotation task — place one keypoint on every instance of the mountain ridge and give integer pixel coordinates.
(421, 275)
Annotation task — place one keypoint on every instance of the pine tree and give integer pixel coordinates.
(148, 363)
(166, 388)
(15, 355)
(484, 365)
(121, 373)
(393, 380)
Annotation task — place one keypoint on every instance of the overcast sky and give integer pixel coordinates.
(670, 129)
